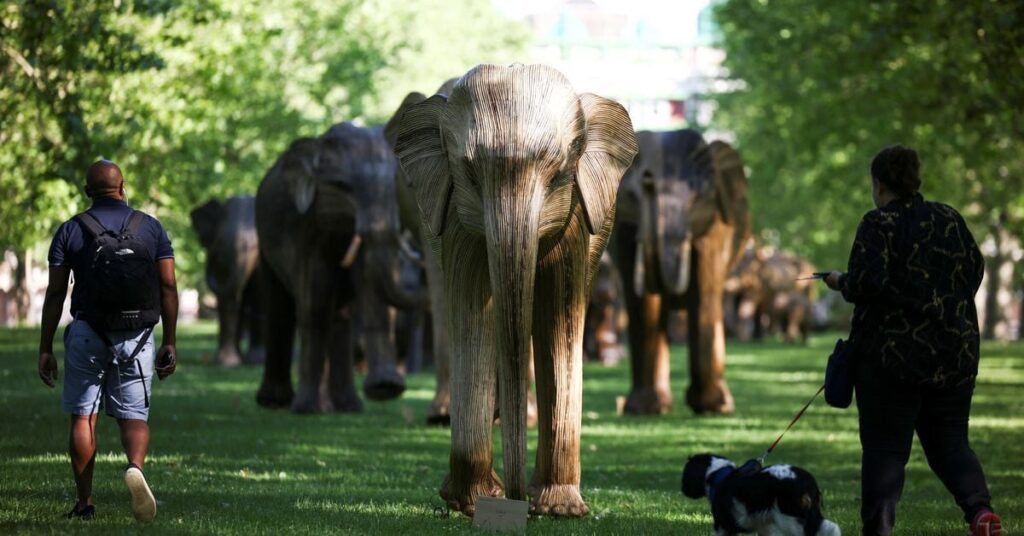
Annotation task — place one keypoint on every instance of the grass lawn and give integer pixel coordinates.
(220, 464)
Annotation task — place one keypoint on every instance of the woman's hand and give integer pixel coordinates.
(832, 279)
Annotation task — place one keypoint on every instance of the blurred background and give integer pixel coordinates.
(196, 99)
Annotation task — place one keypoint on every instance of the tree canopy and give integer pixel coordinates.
(197, 98)
(825, 85)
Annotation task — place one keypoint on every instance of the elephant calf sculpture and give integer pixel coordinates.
(516, 175)
(227, 231)
(682, 217)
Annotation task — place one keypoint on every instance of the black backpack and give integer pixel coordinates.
(122, 283)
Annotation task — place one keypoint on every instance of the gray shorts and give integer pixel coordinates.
(94, 377)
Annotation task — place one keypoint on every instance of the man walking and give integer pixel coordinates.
(123, 265)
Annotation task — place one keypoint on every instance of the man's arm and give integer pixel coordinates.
(53, 305)
(168, 315)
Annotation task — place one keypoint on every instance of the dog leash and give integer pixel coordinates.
(763, 457)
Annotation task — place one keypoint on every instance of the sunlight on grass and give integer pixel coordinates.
(221, 465)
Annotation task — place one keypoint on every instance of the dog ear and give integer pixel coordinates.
(694, 476)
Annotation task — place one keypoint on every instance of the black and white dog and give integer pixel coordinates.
(767, 500)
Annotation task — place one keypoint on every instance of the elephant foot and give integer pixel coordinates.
(648, 401)
(439, 412)
(275, 395)
(714, 400)
(463, 498)
(228, 358)
(561, 500)
(307, 401)
(256, 355)
(382, 385)
(346, 403)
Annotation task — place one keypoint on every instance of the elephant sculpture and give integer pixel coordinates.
(764, 296)
(227, 231)
(438, 413)
(328, 246)
(515, 175)
(682, 210)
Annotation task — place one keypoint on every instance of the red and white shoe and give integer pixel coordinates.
(986, 523)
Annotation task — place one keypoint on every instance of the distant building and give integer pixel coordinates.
(653, 57)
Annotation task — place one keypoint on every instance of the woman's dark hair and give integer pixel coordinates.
(898, 168)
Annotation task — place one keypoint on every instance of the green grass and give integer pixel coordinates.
(220, 464)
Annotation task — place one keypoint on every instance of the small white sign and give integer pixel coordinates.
(500, 514)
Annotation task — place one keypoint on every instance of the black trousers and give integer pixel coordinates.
(890, 413)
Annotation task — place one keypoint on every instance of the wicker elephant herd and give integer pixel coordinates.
(496, 228)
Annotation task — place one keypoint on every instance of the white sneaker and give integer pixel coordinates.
(143, 502)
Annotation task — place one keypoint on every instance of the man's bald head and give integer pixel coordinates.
(104, 179)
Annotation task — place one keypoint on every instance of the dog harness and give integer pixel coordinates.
(722, 513)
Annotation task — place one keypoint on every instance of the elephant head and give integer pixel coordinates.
(679, 186)
(509, 156)
(205, 220)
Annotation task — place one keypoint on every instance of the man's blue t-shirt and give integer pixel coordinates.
(68, 247)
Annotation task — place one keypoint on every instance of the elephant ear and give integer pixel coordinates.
(391, 128)
(731, 192)
(300, 165)
(421, 153)
(205, 219)
(610, 149)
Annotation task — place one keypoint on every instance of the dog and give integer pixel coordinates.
(766, 500)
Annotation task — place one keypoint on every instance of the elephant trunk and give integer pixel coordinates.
(382, 256)
(512, 241)
(666, 239)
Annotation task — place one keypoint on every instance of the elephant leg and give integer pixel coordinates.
(229, 313)
(276, 389)
(708, 392)
(341, 382)
(558, 353)
(316, 315)
(439, 411)
(377, 327)
(646, 336)
(651, 394)
(473, 373)
(253, 314)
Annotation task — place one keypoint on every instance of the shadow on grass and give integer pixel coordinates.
(221, 465)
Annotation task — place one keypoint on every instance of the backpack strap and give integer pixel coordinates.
(90, 224)
(133, 223)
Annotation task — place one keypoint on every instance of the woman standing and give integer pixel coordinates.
(912, 276)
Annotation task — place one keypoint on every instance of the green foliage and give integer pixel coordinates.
(218, 464)
(197, 98)
(828, 84)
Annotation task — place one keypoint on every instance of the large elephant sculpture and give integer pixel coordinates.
(515, 175)
(227, 231)
(328, 245)
(682, 213)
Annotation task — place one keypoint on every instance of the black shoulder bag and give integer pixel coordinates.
(839, 376)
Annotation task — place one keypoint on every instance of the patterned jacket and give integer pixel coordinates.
(912, 276)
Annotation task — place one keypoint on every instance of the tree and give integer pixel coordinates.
(197, 98)
(827, 84)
